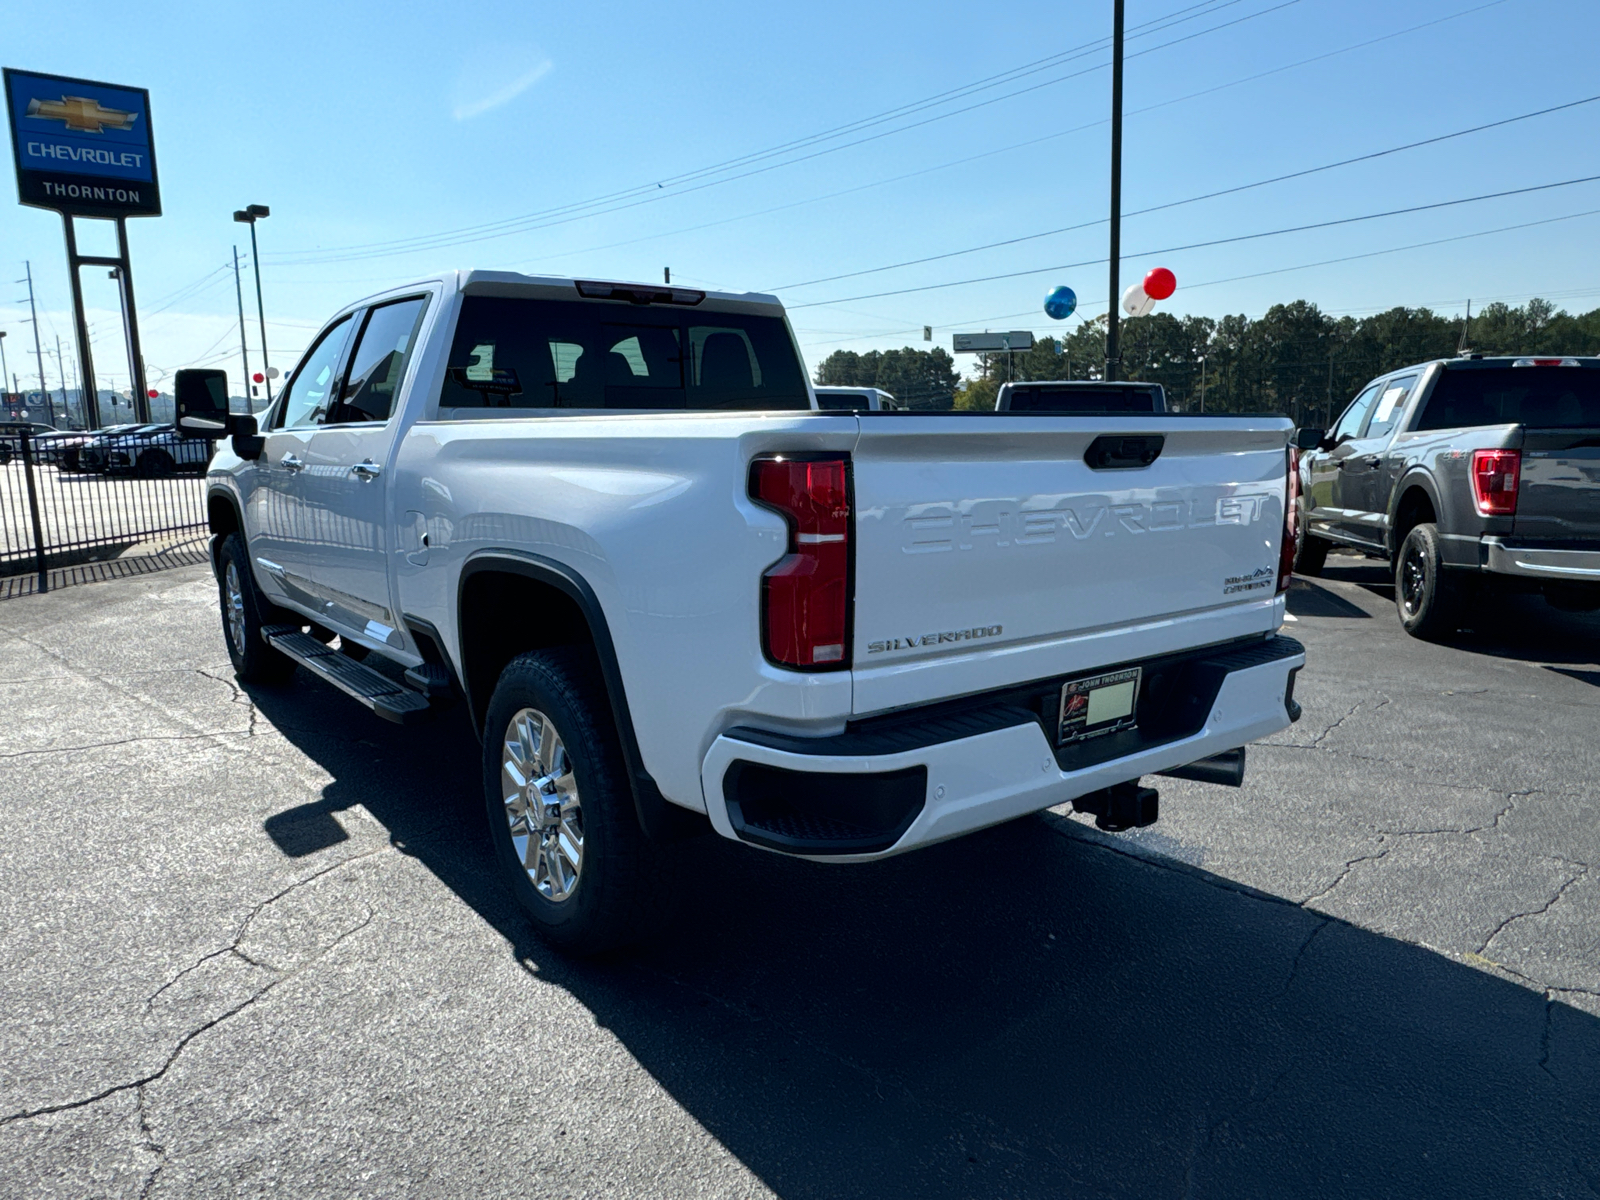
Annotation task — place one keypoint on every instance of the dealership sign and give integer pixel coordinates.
(81, 147)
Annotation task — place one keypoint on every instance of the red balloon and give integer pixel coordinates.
(1160, 284)
(154, 395)
(258, 377)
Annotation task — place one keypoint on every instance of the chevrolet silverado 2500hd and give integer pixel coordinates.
(670, 592)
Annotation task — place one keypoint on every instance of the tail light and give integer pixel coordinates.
(1291, 522)
(1495, 475)
(805, 598)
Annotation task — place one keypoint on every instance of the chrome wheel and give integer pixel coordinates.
(1413, 578)
(541, 804)
(233, 606)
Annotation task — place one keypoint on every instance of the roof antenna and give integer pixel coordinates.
(1461, 348)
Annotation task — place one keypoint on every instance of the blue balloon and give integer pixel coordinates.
(1060, 303)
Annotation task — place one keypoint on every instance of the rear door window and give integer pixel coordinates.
(1390, 406)
(539, 354)
(1538, 397)
(378, 362)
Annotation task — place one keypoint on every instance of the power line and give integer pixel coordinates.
(1243, 237)
(1089, 305)
(551, 217)
(1229, 191)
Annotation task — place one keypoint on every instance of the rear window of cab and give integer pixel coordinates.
(516, 355)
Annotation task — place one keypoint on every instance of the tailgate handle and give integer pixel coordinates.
(1114, 452)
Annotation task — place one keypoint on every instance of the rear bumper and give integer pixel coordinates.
(928, 793)
(1576, 566)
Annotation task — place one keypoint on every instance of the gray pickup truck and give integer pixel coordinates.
(1466, 474)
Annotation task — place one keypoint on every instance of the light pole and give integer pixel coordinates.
(1202, 383)
(249, 215)
(5, 371)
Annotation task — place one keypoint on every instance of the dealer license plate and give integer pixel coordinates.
(1098, 704)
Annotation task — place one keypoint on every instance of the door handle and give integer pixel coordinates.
(366, 471)
(293, 462)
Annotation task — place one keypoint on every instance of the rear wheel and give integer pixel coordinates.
(561, 813)
(1428, 599)
(244, 611)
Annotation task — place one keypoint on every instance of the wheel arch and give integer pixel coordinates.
(222, 518)
(1415, 502)
(494, 583)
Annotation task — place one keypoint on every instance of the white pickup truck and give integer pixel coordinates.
(611, 522)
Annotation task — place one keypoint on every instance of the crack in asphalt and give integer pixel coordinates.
(1583, 869)
(1294, 967)
(1350, 865)
(185, 1039)
(1492, 823)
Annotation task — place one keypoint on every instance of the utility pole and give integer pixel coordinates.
(1202, 383)
(1113, 362)
(1461, 347)
(5, 371)
(244, 343)
(38, 350)
(1330, 388)
(61, 364)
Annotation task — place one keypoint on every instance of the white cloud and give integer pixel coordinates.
(497, 77)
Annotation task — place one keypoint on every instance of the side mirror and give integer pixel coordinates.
(200, 396)
(1309, 439)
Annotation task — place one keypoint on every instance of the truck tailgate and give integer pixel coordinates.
(1560, 494)
(989, 552)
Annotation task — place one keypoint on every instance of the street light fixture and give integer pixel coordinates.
(249, 215)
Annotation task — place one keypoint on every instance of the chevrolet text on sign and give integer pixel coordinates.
(82, 147)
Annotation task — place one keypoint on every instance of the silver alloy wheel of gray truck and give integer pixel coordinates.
(560, 810)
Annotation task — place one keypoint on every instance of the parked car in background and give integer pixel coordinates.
(1467, 474)
(856, 399)
(11, 437)
(67, 452)
(1085, 397)
(147, 450)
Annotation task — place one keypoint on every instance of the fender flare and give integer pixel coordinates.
(661, 820)
(1415, 476)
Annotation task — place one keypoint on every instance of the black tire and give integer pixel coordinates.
(617, 895)
(1428, 599)
(1310, 553)
(253, 660)
(155, 464)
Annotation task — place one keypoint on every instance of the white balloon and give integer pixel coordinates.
(1137, 302)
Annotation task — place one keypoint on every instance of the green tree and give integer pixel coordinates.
(923, 379)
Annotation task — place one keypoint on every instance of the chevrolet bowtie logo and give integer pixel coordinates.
(82, 114)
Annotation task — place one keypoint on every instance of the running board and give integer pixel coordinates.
(372, 688)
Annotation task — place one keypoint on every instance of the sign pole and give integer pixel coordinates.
(141, 391)
(1113, 357)
(87, 388)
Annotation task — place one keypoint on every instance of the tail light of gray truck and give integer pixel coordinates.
(1494, 481)
(805, 596)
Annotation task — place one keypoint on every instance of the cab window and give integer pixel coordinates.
(1355, 416)
(1391, 405)
(310, 391)
(378, 363)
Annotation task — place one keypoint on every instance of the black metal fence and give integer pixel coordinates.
(68, 516)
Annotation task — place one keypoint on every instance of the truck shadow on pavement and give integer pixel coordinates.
(1036, 1010)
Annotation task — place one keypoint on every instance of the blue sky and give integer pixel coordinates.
(363, 124)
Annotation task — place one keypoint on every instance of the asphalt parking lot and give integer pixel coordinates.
(254, 945)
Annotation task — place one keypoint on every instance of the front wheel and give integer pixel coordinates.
(1310, 552)
(244, 611)
(561, 813)
(1428, 600)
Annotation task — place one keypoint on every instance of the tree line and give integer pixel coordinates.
(1294, 359)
